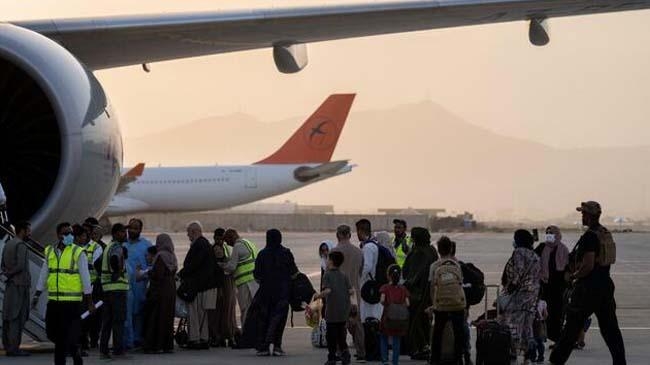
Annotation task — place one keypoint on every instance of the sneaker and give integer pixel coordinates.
(277, 351)
(263, 353)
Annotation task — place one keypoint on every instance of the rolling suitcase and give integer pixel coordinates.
(493, 339)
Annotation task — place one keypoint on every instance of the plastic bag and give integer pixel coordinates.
(181, 308)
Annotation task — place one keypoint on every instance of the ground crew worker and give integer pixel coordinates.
(241, 265)
(90, 326)
(593, 290)
(65, 276)
(15, 310)
(115, 285)
(402, 242)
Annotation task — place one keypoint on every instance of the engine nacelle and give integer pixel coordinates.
(61, 148)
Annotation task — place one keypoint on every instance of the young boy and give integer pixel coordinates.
(340, 302)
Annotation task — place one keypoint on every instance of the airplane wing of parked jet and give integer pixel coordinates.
(105, 42)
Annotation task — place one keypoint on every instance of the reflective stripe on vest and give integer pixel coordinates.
(244, 272)
(90, 253)
(122, 283)
(399, 251)
(63, 279)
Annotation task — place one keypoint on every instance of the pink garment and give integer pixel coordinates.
(561, 255)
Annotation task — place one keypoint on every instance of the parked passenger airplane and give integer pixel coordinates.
(304, 159)
(63, 157)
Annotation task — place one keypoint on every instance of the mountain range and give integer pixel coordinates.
(421, 155)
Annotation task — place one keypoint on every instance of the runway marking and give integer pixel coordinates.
(639, 273)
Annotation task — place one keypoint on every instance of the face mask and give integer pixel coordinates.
(68, 239)
(550, 238)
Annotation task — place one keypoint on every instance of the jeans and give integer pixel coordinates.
(536, 350)
(588, 298)
(384, 348)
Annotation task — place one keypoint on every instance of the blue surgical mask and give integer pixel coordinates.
(68, 239)
(550, 238)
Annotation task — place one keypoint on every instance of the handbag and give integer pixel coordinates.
(186, 292)
(370, 291)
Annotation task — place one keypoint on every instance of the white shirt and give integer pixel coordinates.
(3, 197)
(370, 258)
(83, 272)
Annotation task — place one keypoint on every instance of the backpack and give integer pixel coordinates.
(301, 292)
(396, 317)
(449, 295)
(607, 252)
(474, 283)
(384, 260)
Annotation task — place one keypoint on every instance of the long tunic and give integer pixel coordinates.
(521, 280)
(370, 258)
(160, 309)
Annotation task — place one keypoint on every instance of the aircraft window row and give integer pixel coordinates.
(185, 181)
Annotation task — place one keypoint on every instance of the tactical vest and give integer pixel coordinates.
(400, 255)
(245, 267)
(122, 283)
(63, 279)
(607, 252)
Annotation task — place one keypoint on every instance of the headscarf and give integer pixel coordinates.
(418, 262)
(273, 239)
(561, 254)
(524, 239)
(384, 239)
(165, 252)
(323, 260)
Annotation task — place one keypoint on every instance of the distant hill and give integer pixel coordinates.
(421, 155)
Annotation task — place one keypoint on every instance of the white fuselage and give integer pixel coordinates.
(179, 189)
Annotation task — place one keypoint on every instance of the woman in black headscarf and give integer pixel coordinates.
(416, 279)
(274, 268)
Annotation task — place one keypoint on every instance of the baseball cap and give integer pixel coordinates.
(590, 207)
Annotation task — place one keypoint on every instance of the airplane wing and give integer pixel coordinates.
(130, 176)
(106, 42)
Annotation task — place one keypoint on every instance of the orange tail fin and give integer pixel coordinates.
(315, 141)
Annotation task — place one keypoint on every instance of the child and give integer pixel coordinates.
(539, 332)
(393, 294)
(340, 302)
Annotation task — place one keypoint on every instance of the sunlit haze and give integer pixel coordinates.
(467, 88)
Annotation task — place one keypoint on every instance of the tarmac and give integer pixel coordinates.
(489, 251)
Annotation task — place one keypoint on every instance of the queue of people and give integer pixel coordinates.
(399, 292)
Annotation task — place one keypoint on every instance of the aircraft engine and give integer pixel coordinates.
(60, 147)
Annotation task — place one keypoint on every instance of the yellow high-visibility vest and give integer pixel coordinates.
(122, 283)
(90, 253)
(245, 267)
(400, 255)
(63, 279)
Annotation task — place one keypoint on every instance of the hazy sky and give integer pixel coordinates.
(589, 87)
